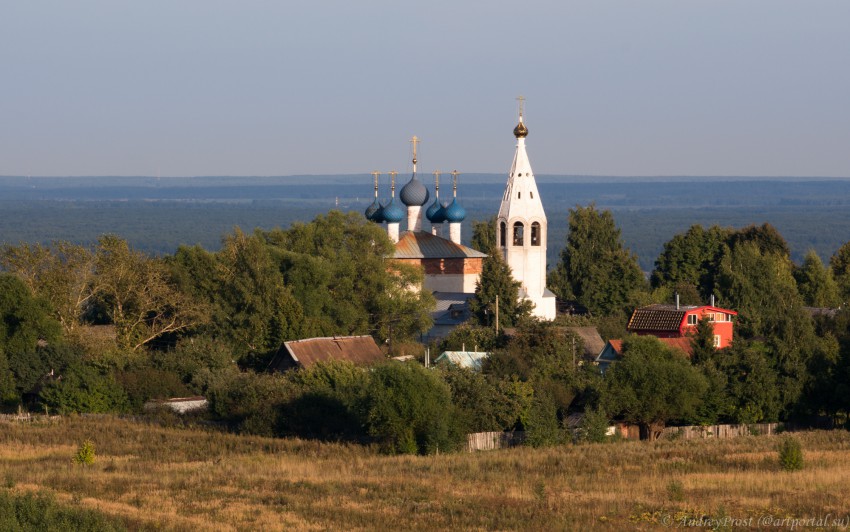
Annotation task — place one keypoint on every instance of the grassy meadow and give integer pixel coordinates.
(153, 477)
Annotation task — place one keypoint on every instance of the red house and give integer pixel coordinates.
(674, 321)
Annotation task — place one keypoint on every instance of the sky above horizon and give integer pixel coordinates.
(184, 88)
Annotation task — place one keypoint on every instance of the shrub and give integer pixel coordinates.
(42, 512)
(85, 454)
(409, 409)
(84, 388)
(791, 454)
(593, 427)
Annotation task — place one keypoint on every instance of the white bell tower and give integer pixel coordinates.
(521, 229)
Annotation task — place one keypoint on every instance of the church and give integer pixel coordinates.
(452, 269)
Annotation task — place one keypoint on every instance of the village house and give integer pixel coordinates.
(673, 325)
(360, 350)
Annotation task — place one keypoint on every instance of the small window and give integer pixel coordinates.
(716, 340)
(692, 319)
(518, 195)
(710, 316)
(519, 229)
(531, 194)
(503, 229)
(535, 234)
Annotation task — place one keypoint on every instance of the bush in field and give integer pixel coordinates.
(85, 454)
(791, 454)
(408, 409)
(145, 383)
(325, 407)
(250, 402)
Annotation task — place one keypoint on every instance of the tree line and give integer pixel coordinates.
(104, 328)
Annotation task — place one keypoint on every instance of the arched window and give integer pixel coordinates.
(535, 234)
(519, 229)
(503, 229)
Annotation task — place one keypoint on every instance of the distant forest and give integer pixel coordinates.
(157, 215)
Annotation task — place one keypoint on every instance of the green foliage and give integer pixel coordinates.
(251, 402)
(816, 284)
(702, 342)
(652, 385)
(30, 511)
(144, 383)
(85, 455)
(24, 319)
(485, 404)
(139, 295)
(593, 427)
(690, 262)
(762, 288)
(326, 402)
(790, 454)
(497, 281)
(84, 388)
(840, 266)
(251, 308)
(752, 383)
(336, 267)
(408, 409)
(32, 368)
(598, 271)
(470, 336)
(62, 274)
(484, 236)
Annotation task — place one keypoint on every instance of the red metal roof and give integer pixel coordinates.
(420, 245)
(361, 350)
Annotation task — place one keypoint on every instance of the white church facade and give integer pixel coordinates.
(452, 269)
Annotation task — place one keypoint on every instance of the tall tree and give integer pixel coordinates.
(815, 282)
(599, 272)
(652, 385)
(840, 266)
(761, 287)
(337, 268)
(691, 259)
(62, 273)
(139, 296)
(496, 281)
(484, 235)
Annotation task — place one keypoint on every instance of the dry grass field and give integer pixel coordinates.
(180, 479)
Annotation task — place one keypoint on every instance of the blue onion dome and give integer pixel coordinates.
(393, 213)
(436, 213)
(414, 193)
(372, 209)
(454, 212)
(378, 217)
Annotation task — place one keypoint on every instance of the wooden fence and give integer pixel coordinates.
(487, 441)
(719, 431)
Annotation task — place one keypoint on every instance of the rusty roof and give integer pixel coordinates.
(420, 245)
(682, 344)
(657, 318)
(361, 350)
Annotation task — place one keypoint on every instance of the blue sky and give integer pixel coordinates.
(181, 88)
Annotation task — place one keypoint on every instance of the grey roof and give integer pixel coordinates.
(465, 359)
(447, 299)
(420, 245)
